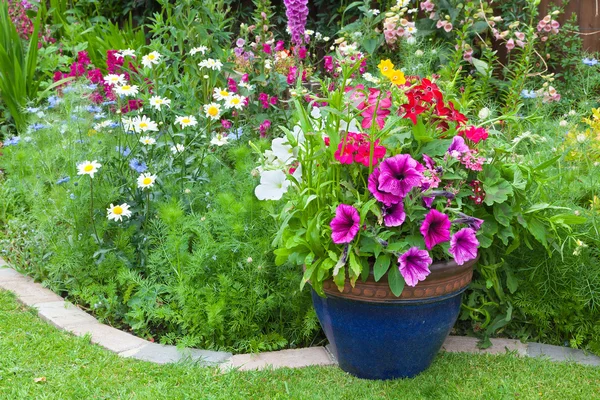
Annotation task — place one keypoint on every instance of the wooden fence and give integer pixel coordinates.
(588, 17)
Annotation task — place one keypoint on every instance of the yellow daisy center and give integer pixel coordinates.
(235, 100)
(186, 120)
(143, 125)
(224, 93)
(151, 56)
(147, 181)
(126, 87)
(158, 101)
(88, 168)
(213, 111)
(115, 79)
(118, 210)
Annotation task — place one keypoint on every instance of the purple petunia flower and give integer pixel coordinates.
(471, 222)
(394, 215)
(414, 265)
(436, 228)
(458, 146)
(429, 163)
(399, 174)
(296, 12)
(345, 224)
(386, 198)
(463, 246)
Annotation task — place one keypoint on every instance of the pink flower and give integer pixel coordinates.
(302, 53)
(399, 174)
(510, 44)
(264, 127)
(226, 124)
(267, 48)
(345, 224)
(280, 46)
(427, 6)
(414, 265)
(448, 26)
(387, 199)
(435, 228)
(394, 215)
(463, 246)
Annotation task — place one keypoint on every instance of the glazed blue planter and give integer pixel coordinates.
(375, 335)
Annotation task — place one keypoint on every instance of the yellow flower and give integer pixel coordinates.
(386, 67)
(397, 77)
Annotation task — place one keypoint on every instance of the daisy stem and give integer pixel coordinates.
(92, 209)
(147, 207)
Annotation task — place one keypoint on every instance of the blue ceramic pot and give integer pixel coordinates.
(375, 335)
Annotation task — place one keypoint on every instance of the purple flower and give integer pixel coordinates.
(394, 215)
(471, 222)
(429, 163)
(345, 224)
(296, 12)
(414, 265)
(386, 198)
(240, 42)
(280, 45)
(458, 146)
(399, 174)
(463, 246)
(435, 229)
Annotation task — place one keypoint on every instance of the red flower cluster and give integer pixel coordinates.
(427, 97)
(356, 147)
(474, 134)
(478, 194)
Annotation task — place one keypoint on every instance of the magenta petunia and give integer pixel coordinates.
(436, 228)
(399, 174)
(458, 146)
(386, 198)
(394, 215)
(345, 224)
(414, 265)
(463, 246)
(471, 222)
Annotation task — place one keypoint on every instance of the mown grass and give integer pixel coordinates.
(39, 362)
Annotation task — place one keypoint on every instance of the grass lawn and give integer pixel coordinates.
(39, 362)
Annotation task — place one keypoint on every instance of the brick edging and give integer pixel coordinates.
(66, 316)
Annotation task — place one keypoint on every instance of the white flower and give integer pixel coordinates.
(128, 124)
(236, 101)
(562, 123)
(125, 53)
(484, 113)
(581, 138)
(113, 79)
(247, 86)
(283, 150)
(220, 94)
(375, 11)
(326, 39)
(88, 168)
(219, 139)
(116, 213)
(419, 53)
(212, 110)
(150, 59)
(199, 49)
(211, 63)
(273, 184)
(188, 120)
(147, 140)
(268, 64)
(315, 113)
(572, 112)
(127, 90)
(101, 125)
(370, 78)
(157, 102)
(146, 180)
(309, 32)
(178, 148)
(143, 124)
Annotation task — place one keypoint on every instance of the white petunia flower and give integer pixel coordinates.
(273, 184)
(114, 79)
(150, 59)
(221, 94)
(283, 151)
(147, 140)
(370, 78)
(146, 180)
(212, 110)
(116, 213)
(186, 121)
(126, 90)
(143, 124)
(219, 139)
(88, 168)
(157, 102)
(178, 148)
(199, 49)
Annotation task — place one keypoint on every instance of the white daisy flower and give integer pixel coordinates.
(211, 63)
(221, 94)
(219, 140)
(178, 148)
(236, 101)
(188, 120)
(125, 53)
(143, 124)
(128, 124)
(147, 140)
(199, 49)
(127, 90)
(116, 213)
(212, 110)
(101, 125)
(157, 102)
(88, 168)
(146, 180)
(247, 86)
(150, 59)
(114, 79)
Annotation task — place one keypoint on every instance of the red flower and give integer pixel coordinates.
(411, 110)
(455, 115)
(474, 134)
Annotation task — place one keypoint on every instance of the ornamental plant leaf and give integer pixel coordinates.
(355, 266)
(538, 230)
(497, 193)
(382, 264)
(396, 281)
(340, 278)
(503, 213)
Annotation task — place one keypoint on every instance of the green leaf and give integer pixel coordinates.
(382, 264)
(481, 66)
(538, 230)
(503, 213)
(420, 132)
(340, 278)
(355, 267)
(547, 163)
(437, 148)
(511, 282)
(396, 281)
(497, 193)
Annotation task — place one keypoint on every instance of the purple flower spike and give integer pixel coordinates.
(345, 224)
(399, 174)
(458, 146)
(463, 246)
(386, 198)
(394, 215)
(414, 265)
(436, 228)
(296, 12)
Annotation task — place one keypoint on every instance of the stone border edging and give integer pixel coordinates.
(66, 316)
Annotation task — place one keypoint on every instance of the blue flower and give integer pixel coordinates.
(108, 103)
(32, 110)
(12, 141)
(79, 141)
(590, 61)
(37, 126)
(63, 180)
(76, 118)
(235, 134)
(113, 125)
(94, 109)
(528, 94)
(72, 196)
(53, 101)
(138, 166)
(124, 151)
(92, 86)
(68, 89)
